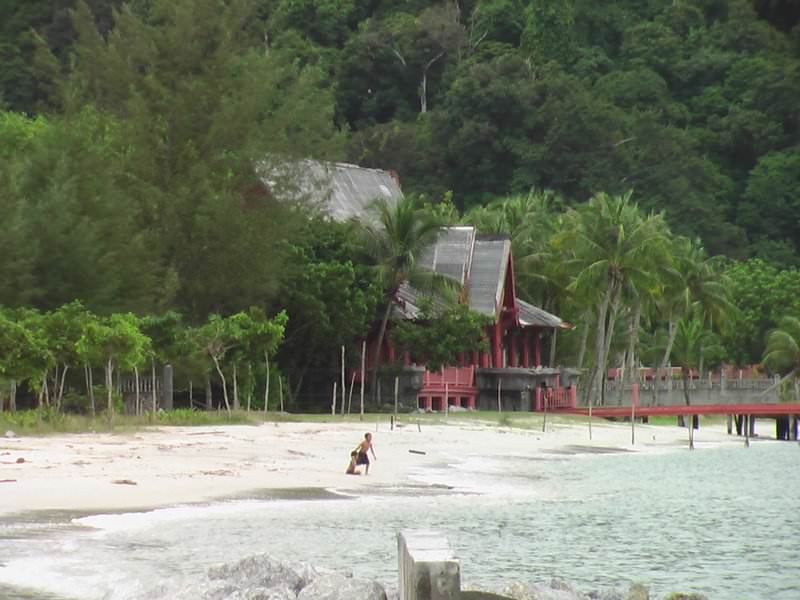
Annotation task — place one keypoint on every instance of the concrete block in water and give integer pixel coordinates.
(428, 570)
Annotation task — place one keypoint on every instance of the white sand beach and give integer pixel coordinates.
(171, 465)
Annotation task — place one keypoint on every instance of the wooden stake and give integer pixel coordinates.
(633, 423)
(396, 389)
(333, 400)
(363, 354)
(350, 395)
(499, 392)
(344, 387)
(266, 387)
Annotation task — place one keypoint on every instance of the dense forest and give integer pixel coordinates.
(129, 132)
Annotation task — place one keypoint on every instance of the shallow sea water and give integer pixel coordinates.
(720, 521)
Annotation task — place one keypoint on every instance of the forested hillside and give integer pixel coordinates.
(693, 104)
(642, 156)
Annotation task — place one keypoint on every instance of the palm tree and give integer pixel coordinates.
(692, 339)
(615, 247)
(783, 350)
(396, 242)
(696, 285)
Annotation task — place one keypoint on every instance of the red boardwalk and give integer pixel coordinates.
(786, 408)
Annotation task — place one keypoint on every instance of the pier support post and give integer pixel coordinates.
(730, 424)
(427, 568)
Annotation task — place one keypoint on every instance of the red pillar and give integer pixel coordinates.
(475, 358)
(485, 360)
(391, 352)
(526, 348)
(512, 358)
(406, 358)
(460, 359)
(497, 346)
(537, 348)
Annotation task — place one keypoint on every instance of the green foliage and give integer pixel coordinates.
(783, 346)
(764, 294)
(440, 333)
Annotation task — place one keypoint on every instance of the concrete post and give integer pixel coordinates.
(427, 568)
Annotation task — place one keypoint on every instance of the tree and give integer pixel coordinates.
(440, 333)
(330, 296)
(23, 353)
(63, 329)
(783, 348)
(764, 294)
(202, 122)
(396, 243)
(118, 342)
(256, 336)
(615, 247)
(692, 341)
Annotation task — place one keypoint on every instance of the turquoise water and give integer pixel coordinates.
(724, 522)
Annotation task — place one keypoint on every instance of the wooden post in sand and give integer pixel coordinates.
(499, 392)
(333, 400)
(350, 395)
(446, 399)
(396, 389)
(344, 387)
(363, 355)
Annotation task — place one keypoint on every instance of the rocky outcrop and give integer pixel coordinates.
(335, 586)
(263, 577)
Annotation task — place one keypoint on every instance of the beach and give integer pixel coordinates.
(164, 466)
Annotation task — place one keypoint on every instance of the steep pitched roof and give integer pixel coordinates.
(533, 315)
(341, 190)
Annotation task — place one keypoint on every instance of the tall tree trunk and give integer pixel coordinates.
(90, 389)
(224, 384)
(110, 387)
(138, 402)
(633, 341)
(249, 385)
(553, 341)
(209, 395)
(12, 397)
(235, 389)
(266, 387)
(612, 321)
(584, 338)
(599, 343)
(153, 384)
(280, 391)
(60, 396)
(379, 343)
(672, 331)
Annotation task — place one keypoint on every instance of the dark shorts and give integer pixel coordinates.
(362, 459)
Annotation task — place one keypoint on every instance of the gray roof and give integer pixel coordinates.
(479, 263)
(533, 315)
(487, 275)
(342, 191)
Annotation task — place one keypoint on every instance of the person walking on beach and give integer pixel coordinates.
(363, 447)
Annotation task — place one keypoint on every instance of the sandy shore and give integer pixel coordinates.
(171, 465)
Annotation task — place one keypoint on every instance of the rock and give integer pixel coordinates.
(20, 460)
(682, 596)
(335, 586)
(638, 591)
(535, 591)
(10, 434)
(262, 572)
